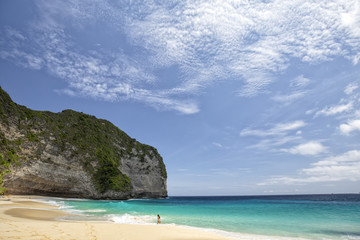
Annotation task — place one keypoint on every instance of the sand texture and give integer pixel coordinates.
(23, 218)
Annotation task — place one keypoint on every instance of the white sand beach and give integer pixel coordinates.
(23, 218)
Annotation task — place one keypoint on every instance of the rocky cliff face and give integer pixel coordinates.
(71, 154)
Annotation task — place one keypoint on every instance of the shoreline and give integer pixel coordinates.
(23, 217)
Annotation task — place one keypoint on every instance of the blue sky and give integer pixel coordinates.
(239, 97)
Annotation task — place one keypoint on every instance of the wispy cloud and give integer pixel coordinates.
(344, 167)
(275, 137)
(333, 110)
(350, 88)
(221, 146)
(253, 45)
(273, 143)
(207, 41)
(278, 129)
(300, 82)
(105, 76)
(289, 98)
(309, 148)
(345, 108)
(296, 90)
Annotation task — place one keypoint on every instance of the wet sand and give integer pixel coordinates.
(21, 217)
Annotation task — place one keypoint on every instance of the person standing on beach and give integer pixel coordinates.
(158, 219)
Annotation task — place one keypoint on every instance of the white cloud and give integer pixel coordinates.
(350, 156)
(351, 19)
(109, 76)
(296, 90)
(276, 141)
(333, 110)
(278, 129)
(238, 34)
(208, 42)
(14, 34)
(350, 126)
(300, 82)
(288, 98)
(278, 135)
(350, 88)
(282, 127)
(220, 146)
(162, 102)
(344, 167)
(309, 148)
(251, 44)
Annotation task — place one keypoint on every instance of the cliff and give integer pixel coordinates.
(72, 154)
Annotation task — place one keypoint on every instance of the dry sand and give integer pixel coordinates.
(23, 218)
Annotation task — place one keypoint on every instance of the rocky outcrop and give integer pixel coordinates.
(72, 154)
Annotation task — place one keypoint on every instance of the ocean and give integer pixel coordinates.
(333, 216)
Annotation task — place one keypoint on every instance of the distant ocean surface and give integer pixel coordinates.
(335, 216)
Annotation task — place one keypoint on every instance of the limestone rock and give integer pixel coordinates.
(72, 154)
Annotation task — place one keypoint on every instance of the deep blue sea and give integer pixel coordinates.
(335, 216)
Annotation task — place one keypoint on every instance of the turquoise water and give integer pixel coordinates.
(307, 216)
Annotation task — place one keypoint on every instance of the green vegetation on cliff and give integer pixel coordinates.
(79, 134)
(8, 156)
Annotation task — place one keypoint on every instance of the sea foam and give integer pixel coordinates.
(316, 217)
(132, 219)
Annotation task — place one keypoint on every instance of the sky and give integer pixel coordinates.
(249, 97)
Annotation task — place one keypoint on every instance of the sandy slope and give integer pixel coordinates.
(23, 218)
